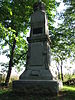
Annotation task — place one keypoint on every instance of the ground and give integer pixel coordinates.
(67, 93)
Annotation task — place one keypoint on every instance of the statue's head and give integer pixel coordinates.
(39, 6)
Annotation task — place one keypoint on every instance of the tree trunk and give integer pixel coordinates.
(58, 71)
(10, 62)
(61, 71)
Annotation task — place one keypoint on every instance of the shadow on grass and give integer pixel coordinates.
(66, 94)
(9, 95)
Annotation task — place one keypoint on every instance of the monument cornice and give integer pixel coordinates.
(38, 39)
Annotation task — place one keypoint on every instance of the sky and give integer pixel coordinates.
(60, 9)
(3, 58)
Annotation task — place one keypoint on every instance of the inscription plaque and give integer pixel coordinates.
(37, 30)
(36, 54)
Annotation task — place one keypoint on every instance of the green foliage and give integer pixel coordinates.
(63, 37)
(69, 21)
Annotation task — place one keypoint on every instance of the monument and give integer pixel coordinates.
(37, 76)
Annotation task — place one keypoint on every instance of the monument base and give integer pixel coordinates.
(50, 87)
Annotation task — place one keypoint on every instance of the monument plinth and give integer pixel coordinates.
(37, 76)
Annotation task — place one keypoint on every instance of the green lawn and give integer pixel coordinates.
(67, 93)
(69, 88)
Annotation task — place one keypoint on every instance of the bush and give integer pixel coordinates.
(2, 78)
(68, 77)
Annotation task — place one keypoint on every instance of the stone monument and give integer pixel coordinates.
(37, 76)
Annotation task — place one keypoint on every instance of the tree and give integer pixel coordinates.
(69, 22)
(63, 39)
(10, 21)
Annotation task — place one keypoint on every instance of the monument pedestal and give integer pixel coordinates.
(37, 77)
(36, 87)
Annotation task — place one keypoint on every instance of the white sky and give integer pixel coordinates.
(3, 58)
(59, 9)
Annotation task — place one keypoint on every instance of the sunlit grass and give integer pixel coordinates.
(69, 88)
(73, 76)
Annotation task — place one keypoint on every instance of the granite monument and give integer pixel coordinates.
(37, 77)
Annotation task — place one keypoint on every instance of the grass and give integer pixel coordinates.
(73, 76)
(67, 93)
(69, 88)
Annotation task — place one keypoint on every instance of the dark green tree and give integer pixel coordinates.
(63, 39)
